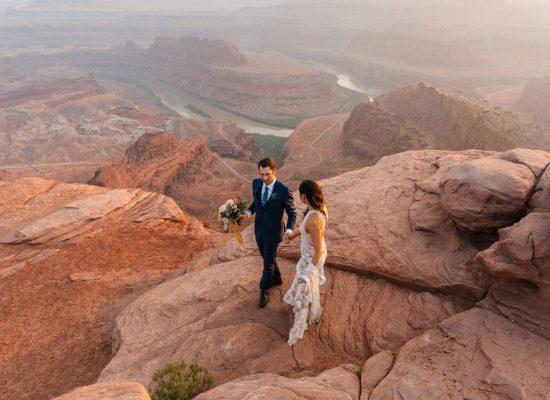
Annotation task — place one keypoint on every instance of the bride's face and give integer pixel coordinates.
(303, 198)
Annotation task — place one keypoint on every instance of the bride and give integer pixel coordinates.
(303, 294)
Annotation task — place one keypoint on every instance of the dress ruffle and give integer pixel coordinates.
(304, 295)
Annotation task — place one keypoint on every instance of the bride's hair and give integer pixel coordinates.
(314, 194)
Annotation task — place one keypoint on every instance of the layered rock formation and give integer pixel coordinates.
(423, 117)
(108, 391)
(267, 87)
(59, 91)
(187, 171)
(58, 123)
(72, 256)
(335, 384)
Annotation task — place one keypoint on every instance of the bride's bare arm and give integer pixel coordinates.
(292, 235)
(315, 227)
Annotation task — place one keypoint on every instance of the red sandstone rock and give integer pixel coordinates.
(211, 316)
(374, 370)
(535, 160)
(339, 383)
(71, 257)
(108, 391)
(189, 172)
(476, 354)
(423, 117)
(540, 201)
(522, 255)
(224, 138)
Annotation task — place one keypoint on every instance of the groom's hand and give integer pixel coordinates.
(246, 214)
(287, 237)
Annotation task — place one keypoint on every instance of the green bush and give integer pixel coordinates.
(179, 381)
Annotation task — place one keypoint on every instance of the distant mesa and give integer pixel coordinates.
(56, 91)
(267, 87)
(199, 51)
(60, 124)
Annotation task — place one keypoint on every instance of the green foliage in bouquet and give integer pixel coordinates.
(231, 210)
(179, 381)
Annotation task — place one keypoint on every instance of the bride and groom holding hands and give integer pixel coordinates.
(271, 199)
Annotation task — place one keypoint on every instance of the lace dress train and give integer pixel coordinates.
(304, 295)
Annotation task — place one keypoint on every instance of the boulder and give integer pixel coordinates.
(374, 370)
(540, 201)
(520, 262)
(108, 391)
(535, 160)
(473, 355)
(339, 383)
(523, 251)
(486, 194)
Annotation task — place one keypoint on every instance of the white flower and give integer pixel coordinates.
(230, 202)
(222, 209)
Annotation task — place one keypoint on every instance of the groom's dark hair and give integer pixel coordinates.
(267, 162)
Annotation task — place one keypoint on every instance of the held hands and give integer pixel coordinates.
(287, 238)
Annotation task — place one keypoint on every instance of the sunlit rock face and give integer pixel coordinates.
(424, 117)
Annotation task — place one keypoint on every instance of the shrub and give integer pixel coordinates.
(179, 381)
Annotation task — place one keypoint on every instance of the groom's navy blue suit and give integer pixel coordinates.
(269, 227)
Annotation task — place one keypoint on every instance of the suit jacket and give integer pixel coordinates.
(268, 225)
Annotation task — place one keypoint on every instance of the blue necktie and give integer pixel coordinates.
(264, 197)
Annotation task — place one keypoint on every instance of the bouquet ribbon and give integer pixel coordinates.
(237, 233)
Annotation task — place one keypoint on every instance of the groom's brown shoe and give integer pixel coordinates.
(264, 299)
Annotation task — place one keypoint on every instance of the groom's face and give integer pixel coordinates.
(267, 175)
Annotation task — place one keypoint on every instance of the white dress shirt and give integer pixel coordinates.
(269, 192)
(269, 189)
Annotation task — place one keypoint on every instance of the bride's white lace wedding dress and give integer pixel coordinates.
(303, 294)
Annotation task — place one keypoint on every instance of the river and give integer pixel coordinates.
(190, 106)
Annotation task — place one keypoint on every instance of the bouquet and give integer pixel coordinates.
(229, 216)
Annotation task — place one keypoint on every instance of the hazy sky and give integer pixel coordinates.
(139, 5)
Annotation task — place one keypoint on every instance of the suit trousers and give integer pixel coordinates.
(271, 271)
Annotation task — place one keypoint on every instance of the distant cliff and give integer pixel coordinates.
(535, 99)
(423, 117)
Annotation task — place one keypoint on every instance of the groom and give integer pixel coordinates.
(271, 198)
